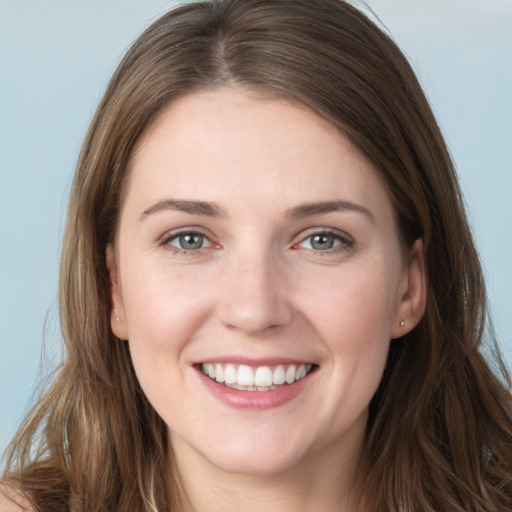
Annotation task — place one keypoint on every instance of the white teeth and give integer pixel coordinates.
(230, 374)
(290, 374)
(301, 372)
(279, 375)
(219, 373)
(245, 376)
(262, 378)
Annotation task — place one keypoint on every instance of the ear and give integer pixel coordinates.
(117, 314)
(412, 293)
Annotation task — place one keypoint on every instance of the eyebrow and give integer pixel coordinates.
(310, 209)
(209, 209)
(204, 208)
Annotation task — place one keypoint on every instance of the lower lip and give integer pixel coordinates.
(255, 399)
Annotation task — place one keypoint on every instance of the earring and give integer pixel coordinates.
(402, 323)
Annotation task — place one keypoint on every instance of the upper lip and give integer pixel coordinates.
(265, 361)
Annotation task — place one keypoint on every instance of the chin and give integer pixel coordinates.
(254, 463)
(255, 454)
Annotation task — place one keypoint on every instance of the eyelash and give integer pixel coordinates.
(165, 242)
(345, 242)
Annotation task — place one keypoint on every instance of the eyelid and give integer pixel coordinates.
(187, 230)
(346, 240)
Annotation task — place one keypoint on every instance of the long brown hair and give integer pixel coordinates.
(439, 435)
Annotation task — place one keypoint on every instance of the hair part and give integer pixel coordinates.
(440, 427)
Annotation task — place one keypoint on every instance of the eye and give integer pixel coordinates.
(325, 241)
(321, 242)
(188, 241)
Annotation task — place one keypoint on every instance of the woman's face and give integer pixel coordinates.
(258, 278)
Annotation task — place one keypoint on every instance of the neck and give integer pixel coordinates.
(325, 482)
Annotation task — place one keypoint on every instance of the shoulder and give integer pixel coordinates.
(13, 501)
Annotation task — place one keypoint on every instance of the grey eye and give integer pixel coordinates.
(190, 241)
(322, 241)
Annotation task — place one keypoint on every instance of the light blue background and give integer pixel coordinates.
(55, 60)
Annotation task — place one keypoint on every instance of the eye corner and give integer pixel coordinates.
(324, 241)
(187, 241)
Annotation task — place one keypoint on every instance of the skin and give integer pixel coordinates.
(13, 501)
(258, 288)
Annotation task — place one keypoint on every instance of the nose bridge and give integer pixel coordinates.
(254, 291)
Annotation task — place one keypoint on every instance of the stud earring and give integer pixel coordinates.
(402, 323)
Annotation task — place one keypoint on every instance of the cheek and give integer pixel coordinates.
(355, 304)
(354, 318)
(163, 309)
(355, 328)
(163, 312)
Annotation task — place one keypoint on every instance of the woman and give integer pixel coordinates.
(269, 292)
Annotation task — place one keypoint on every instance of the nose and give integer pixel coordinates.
(254, 294)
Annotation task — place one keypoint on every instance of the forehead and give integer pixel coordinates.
(228, 145)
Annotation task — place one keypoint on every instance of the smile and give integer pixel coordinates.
(261, 378)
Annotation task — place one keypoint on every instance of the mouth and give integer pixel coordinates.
(256, 378)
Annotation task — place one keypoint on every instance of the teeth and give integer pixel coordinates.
(262, 378)
(290, 374)
(219, 373)
(279, 375)
(245, 376)
(301, 372)
(229, 374)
